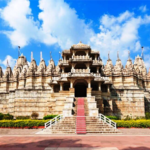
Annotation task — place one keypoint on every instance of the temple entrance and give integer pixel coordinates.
(80, 89)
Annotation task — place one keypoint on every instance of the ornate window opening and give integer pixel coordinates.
(66, 86)
(80, 66)
(94, 86)
(104, 88)
(80, 53)
(56, 88)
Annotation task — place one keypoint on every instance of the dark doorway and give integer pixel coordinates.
(80, 90)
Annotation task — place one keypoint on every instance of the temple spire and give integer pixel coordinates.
(142, 55)
(128, 54)
(50, 55)
(41, 58)
(18, 51)
(31, 56)
(108, 55)
(7, 63)
(117, 54)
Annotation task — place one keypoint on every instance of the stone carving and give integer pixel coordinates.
(148, 73)
(1, 72)
(139, 66)
(8, 73)
(24, 71)
(129, 67)
(108, 67)
(33, 66)
(51, 66)
(118, 67)
(42, 66)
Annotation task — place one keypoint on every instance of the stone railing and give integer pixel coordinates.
(105, 78)
(63, 62)
(99, 62)
(81, 58)
(97, 75)
(64, 75)
(80, 70)
(53, 121)
(107, 120)
(55, 78)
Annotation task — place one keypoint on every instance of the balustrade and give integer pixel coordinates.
(64, 61)
(97, 62)
(81, 57)
(55, 78)
(64, 75)
(80, 70)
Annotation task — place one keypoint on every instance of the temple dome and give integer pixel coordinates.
(139, 65)
(80, 45)
(21, 61)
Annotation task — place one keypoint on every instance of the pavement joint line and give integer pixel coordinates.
(66, 135)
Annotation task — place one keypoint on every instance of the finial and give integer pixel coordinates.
(50, 55)
(7, 63)
(18, 51)
(31, 56)
(117, 54)
(142, 55)
(128, 54)
(80, 42)
(41, 58)
(108, 55)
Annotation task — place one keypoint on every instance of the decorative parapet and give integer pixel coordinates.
(81, 58)
(63, 62)
(80, 70)
(65, 75)
(97, 62)
(97, 75)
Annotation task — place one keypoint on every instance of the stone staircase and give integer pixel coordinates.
(70, 125)
(64, 126)
(95, 125)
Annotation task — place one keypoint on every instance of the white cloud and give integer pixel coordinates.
(118, 34)
(143, 8)
(11, 61)
(24, 27)
(60, 24)
(62, 21)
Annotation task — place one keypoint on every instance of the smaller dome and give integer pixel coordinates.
(21, 61)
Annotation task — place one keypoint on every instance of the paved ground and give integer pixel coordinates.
(134, 140)
(34, 131)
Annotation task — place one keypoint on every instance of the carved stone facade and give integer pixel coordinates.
(111, 90)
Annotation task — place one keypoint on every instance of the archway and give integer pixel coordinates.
(80, 88)
(80, 53)
(80, 66)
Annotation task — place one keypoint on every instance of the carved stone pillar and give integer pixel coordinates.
(97, 69)
(99, 86)
(71, 84)
(61, 86)
(63, 70)
(108, 88)
(89, 84)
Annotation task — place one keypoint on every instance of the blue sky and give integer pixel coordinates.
(54, 25)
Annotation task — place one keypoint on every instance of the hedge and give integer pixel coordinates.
(113, 117)
(133, 123)
(22, 123)
(49, 117)
(37, 123)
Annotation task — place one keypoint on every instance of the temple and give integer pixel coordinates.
(108, 89)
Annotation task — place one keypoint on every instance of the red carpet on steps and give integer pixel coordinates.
(80, 120)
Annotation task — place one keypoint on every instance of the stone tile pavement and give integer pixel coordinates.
(134, 140)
